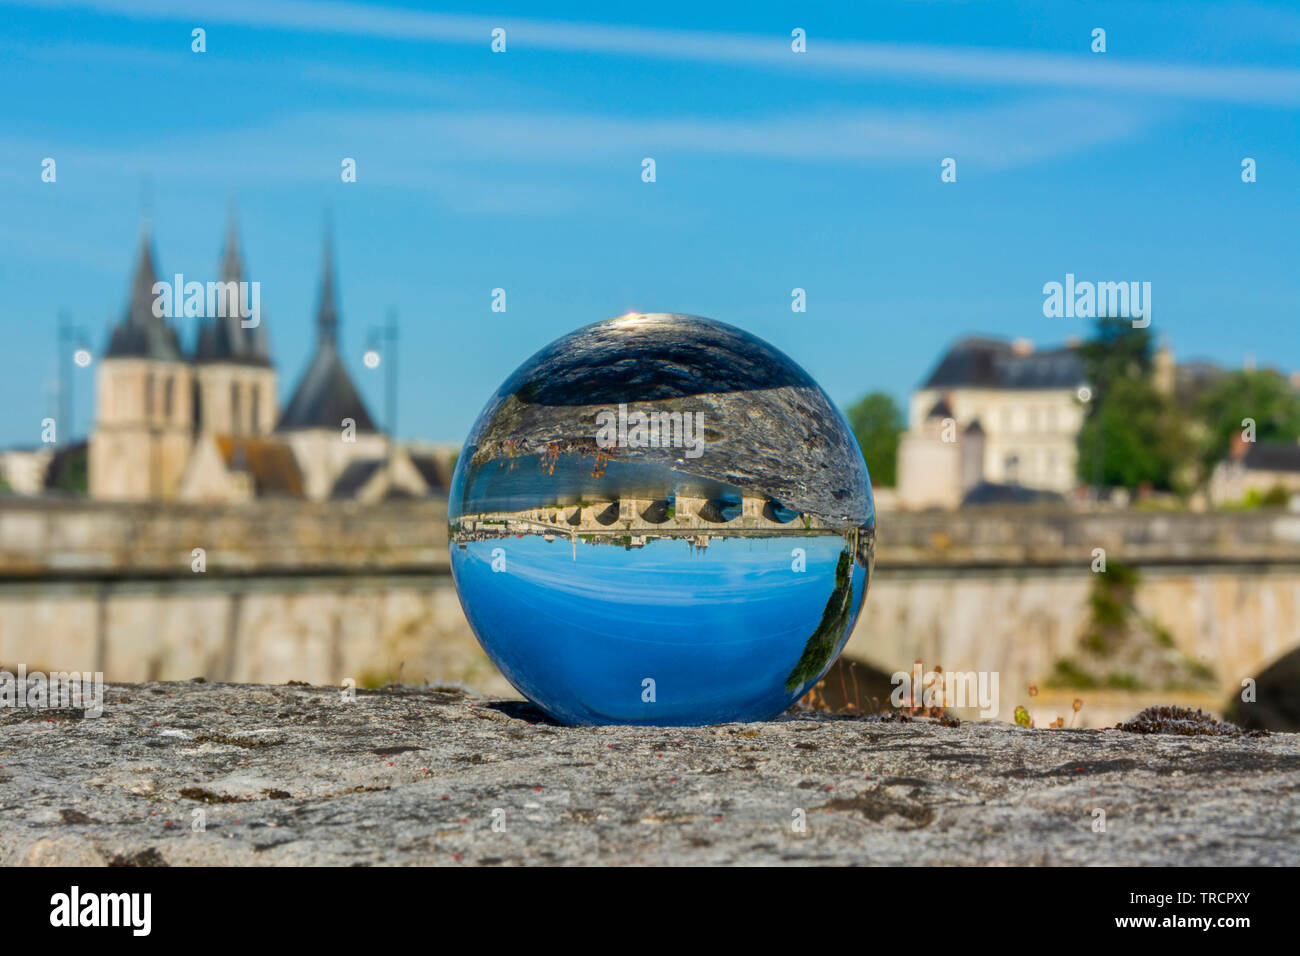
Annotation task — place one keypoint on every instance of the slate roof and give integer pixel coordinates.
(355, 477)
(991, 493)
(224, 338)
(992, 363)
(1273, 456)
(940, 409)
(140, 333)
(431, 470)
(325, 394)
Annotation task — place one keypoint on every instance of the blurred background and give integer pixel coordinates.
(1101, 513)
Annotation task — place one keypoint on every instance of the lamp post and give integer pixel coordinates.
(1084, 394)
(373, 358)
(72, 350)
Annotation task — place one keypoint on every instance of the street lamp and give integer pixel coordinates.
(72, 347)
(372, 359)
(1084, 394)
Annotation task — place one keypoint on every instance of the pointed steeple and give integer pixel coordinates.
(231, 268)
(224, 338)
(139, 309)
(140, 333)
(326, 395)
(327, 316)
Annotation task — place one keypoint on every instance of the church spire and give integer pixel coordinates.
(224, 337)
(327, 318)
(325, 395)
(231, 268)
(141, 333)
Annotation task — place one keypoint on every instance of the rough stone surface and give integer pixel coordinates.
(295, 775)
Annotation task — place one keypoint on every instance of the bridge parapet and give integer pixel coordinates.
(641, 517)
(52, 537)
(1029, 536)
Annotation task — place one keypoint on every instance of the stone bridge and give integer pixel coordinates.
(1008, 590)
(681, 515)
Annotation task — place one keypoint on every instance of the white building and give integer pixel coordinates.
(992, 413)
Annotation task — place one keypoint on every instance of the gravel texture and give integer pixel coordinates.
(297, 775)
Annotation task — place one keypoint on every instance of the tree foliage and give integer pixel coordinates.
(1133, 434)
(1117, 351)
(877, 422)
(1264, 397)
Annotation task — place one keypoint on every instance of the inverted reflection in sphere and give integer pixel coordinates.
(661, 519)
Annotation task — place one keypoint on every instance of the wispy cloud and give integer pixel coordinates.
(494, 154)
(964, 65)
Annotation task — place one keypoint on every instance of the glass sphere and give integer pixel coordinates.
(661, 519)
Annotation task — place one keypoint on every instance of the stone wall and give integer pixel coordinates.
(43, 538)
(1055, 536)
(48, 538)
(1018, 622)
(373, 629)
(329, 591)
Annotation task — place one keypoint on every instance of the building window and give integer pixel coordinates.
(234, 408)
(148, 396)
(169, 397)
(256, 401)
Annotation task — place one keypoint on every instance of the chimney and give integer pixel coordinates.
(1237, 450)
(1022, 347)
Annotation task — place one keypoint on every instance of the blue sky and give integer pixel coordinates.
(775, 170)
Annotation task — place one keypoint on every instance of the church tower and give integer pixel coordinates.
(143, 430)
(326, 422)
(234, 381)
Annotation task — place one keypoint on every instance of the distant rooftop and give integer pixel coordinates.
(978, 362)
(270, 463)
(1273, 456)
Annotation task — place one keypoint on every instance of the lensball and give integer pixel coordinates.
(661, 519)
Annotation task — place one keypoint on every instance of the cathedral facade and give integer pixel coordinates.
(204, 424)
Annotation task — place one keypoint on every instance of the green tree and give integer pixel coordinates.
(1116, 351)
(1133, 434)
(69, 470)
(1262, 396)
(877, 423)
